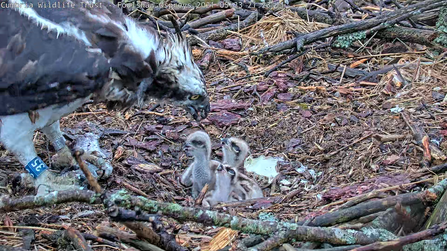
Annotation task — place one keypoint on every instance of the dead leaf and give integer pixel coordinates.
(8, 222)
(391, 160)
(148, 167)
(119, 152)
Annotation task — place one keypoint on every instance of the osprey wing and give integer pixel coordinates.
(57, 53)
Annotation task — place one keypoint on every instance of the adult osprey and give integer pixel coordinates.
(55, 55)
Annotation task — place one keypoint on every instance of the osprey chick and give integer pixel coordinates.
(54, 59)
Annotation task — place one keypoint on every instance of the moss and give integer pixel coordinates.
(263, 216)
(199, 213)
(121, 198)
(441, 27)
(382, 234)
(174, 208)
(234, 222)
(344, 41)
(49, 199)
(348, 236)
(439, 243)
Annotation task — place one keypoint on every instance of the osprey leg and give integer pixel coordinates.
(63, 158)
(22, 146)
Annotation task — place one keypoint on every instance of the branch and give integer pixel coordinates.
(58, 197)
(399, 243)
(371, 207)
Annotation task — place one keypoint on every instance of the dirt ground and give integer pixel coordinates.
(327, 129)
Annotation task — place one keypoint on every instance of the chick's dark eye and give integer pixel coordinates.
(180, 67)
(235, 148)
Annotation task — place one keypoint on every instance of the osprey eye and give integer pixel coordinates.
(194, 97)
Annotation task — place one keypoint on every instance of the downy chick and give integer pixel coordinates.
(222, 188)
(201, 171)
(244, 188)
(235, 151)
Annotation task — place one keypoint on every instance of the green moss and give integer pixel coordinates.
(348, 236)
(234, 222)
(441, 27)
(174, 208)
(439, 243)
(382, 234)
(263, 216)
(121, 198)
(344, 41)
(48, 199)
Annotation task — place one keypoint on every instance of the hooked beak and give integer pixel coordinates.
(199, 111)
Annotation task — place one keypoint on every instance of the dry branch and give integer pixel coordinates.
(58, 197)
(132, 239)
(371, 207)
(399, 243)
(91, 180)
(224, 32)
(214, 18)
(77, 239)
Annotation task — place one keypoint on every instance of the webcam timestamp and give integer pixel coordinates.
(224, 5)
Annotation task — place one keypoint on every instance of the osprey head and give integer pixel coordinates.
(177, 78)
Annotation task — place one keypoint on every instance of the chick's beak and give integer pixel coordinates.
(224, 141)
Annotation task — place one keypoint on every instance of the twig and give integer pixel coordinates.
(134, 189)
(91, 180)
(86, 113)
(201, 196)
(291, 58)
(349, 145)
(95, 238)
(214, 18)
(77, 239)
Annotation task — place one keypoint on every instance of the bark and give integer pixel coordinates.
(399, 243)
